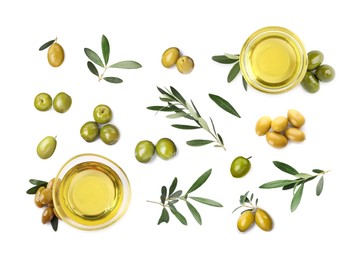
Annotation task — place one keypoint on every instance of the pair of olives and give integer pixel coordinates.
(240, 166)
(91, 130)
(172, 57)
(145, 150)
(61, 102)
(283, 128)
(258, 216)
(316, 72)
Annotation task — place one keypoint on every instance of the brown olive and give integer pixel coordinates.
(295, 134)
(295, 118)
(170, 57)
(37, 201)
(263, 125)
(263, 220)
(45, 196)
(47, 215)
(276, 140)
(279, 124)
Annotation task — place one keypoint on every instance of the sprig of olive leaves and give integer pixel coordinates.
(297, 184)
(247, 202)
(96, 60)
(235, 69)
(169, 198)
(179, 107)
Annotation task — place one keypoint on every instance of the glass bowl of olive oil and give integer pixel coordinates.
(273, 60)
(91, 192)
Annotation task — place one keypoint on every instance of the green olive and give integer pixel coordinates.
(55, 55)
(37, 201)
(43, 102)
(263, 220)
(166, 149)
(46, 147)
(325, 73)
(62, 102)
(310, 83)
(276, 140)
(170, 57)
(279, 124)
(109, 134)
(246, 220)
(185, 64)
(295, 134)
(102, 114)
(263, 125)
(45, 196)
(295, 118)
(144, 151)
(90, 131)
(240, 167)
(315, 59)
(47, 215)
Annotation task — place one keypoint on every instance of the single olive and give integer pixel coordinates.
(45, 196)
(170, 57)
(240, 167)
(109, 134)
(325, 73)
(295, 118)
(55, 55)
(276, 140)
(310, 83)
(279, 124)
(62, 102)
(90, 131)
(263, 125)
(246, 220)
(47, 215)
(166, 148)
(43, 102)
(102, 114)
(315, 59)
(185, 64)
(144, 151)
(263, 220)
(37, 201)
(46, 147)
(295, 134)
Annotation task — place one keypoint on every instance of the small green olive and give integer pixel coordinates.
(37, 201)
(55, 55)
(43, 102)
(144, 151)
(47, 215)
(165, 148)
(109, 134)
(325, 73)
(246, 220)
(185, 64)
(90, 131)
(295, 118)
(240, 167)
(62, 102)
(279, 124)
(46, 147)
(263, 125)
(45, 196)
(102, 114)
(263, 220)
(295, 134)
(170, 57)
(310, 83)
(315, 59)
(276, 140)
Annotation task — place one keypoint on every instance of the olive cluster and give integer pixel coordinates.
(43, 198)
(145, 150)
(91, 130)
(61, 102)
(172, 57)
(316, 72)
(257, 215)
(283, 128)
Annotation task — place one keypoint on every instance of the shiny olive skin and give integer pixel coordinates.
(315, 59)
(295, 118)
(263, 125)
(46, 147)
(109, 134)
(310, 82)
(90, 131)
(170, 57)
(240, 167)
(37, 201)
(279, 124)
(62, 102)
(102, 114)
(276, 140)
(47, 215)
(295, 134)
(263, 220)
(144, 151)
(325, 73)
(245, 221)
(185, 64)
(45, 196)
(166, 148)
(43, 102)
(55, 55)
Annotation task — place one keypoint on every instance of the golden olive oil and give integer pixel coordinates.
(91, 193)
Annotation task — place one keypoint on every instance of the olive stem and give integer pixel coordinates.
(102, 75)
(155, 202)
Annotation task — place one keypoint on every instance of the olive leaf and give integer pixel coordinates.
(297, 198)
(113, 80)
(127, 64)
(223, 59)
(317, 171)
(224, 104)
(177, 214)
(46, 45)
(232, 56)
(285, 167)
(176, 194)
(54, 223)
(233, 72)
(320, 186)
(185, 127)
(245, 84)
(172, 187)
(105, 46)
(194, 212)
(37, 182)
(93, 57)
(92, 68)
(164, 216)
(201, 180)
(276, 184)
(207, 201)
(199, 142)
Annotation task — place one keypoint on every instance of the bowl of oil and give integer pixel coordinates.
(273, 60)
(91, 192)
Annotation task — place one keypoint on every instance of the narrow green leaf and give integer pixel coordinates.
(233, 72)
(201, 180)
(176, 194)
(46, 45)
(236, 209)
(303, 176)
(164, 108)
(177, 115)
(178, 95)
(251, 197)
(317, 171)
(209, 202)
(164, 191)
(224, 104)
(223, 59)
(289, 186)
(203, 123)
(54, 223)
(199, 142)
(220, 138)
(320, 186)
(276, 184)
(33, 190)
(166, 94)
(113, 80)
(178, 215)
(127, 64)
(297, 198)
(285, 167)
(105, 46)
(163, 199)
(173, 186)
(213, 125)
(232, 56)
(37, 182)
(198, 114)
(93, 57)
(244, 198)
(194, 212)
(164, 216)
(186, 127)
(92, 68)
(245, 84)
(256, 202)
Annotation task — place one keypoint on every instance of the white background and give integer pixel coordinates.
(322, 227)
